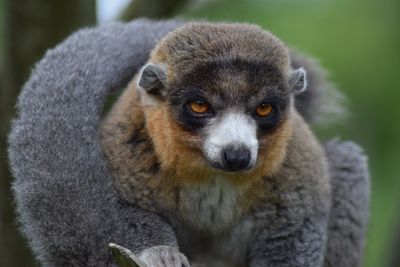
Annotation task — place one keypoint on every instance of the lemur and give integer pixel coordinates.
(67, 202)
(207, 135)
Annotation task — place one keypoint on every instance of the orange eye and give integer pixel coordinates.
(264, 110)
(199, 106)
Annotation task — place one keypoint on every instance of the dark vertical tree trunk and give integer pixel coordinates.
(152, 9)
(29, 28)
(394, 260)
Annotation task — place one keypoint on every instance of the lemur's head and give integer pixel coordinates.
(218, 97)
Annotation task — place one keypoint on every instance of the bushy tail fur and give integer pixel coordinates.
(66, 204)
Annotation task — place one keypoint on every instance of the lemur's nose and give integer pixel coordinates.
(236, 158)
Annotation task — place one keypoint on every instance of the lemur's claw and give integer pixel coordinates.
(164, 256)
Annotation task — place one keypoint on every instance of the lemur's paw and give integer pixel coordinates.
(163, 256)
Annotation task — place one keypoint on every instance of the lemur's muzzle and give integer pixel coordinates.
(235, 158)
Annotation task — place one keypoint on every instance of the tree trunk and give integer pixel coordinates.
(394, 260)
(29, 28)
(152, 9)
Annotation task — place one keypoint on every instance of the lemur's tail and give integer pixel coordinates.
(67, 205)
(321, 103)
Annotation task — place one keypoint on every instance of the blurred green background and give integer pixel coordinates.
(358, 41)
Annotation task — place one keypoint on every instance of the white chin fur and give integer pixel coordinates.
(232, 129)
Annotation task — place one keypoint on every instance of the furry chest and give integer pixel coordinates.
(212, 206)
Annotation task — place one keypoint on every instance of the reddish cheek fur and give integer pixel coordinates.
(272, 148)
(179, 151)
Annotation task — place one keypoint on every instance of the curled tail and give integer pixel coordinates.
(67, 207)
(321, 100)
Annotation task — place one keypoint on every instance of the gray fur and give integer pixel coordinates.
(164, 256)
(350, 204)
(67, 206)
(348, 219)
(152, 79)
(298, 81)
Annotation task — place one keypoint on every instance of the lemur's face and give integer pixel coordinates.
(232, 105)
(231, 109)
(225, 93)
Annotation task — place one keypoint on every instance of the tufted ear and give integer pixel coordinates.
(297, 80)
(152, 79)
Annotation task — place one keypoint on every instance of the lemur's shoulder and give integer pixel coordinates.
(305, 160)
(129, 149)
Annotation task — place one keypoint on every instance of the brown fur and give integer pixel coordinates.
(196, 43)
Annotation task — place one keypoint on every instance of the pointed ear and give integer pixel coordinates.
(298, 81)
(152, 79)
